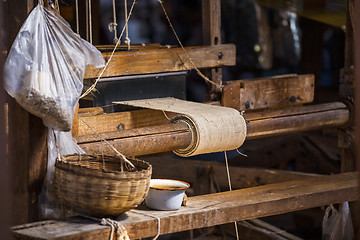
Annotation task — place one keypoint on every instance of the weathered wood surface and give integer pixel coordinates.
(268, 92)
(211, 27)
(141, 141)
(154, 139)
(241, 177)
(258, 229)
(208, 210)
(296, 119)
(27, 138)
(5, 200)
(356, 207)
(164, 60)
(121, 121)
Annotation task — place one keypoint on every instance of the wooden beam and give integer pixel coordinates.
(141, 141)
(208, 210)
(296, 119)
(154, 139)
(5, 200)
(27, 137)
(241, 177)
(211, 23)
(164, 60)
(268, 92)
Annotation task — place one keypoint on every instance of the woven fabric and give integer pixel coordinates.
(213, 128)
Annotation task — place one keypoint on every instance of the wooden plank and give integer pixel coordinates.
(27, 134)
(268, 92)
(208, 210)
(120, 121)
(164, 60)
(5, 200)
(356, 207)
(258, 229)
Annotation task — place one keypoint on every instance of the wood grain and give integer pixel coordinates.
(209, 210)
(27, 138)
(164, 60)
(154, 138)
(268, 92)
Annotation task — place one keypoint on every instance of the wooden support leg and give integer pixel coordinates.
(4, 166)
(211, 17)
(357, 104)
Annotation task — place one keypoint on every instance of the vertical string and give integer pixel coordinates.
(230, 188)
(77, 16)
(90, 22)
(87, 19)
(113, 25)
(127, 39)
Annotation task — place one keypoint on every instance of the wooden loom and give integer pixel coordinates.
(288, 116)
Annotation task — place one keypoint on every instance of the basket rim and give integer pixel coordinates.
(65, 165)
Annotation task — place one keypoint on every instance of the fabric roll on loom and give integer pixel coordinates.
(213, 128)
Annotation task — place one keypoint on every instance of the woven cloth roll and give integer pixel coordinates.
(213, 128)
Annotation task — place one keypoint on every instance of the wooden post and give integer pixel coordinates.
(27, 138)
(357, 105)
(348, 89)
(211, 23)
(4, 167)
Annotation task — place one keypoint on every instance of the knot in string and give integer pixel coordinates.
(112, 26)
(120, 231)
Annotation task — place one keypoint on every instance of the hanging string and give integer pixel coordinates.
(122, 156)
(77, 16)
(113, 26)
(87, 19)
(242, 154)
(186, 53)
(230, 188)
(56, 6)
(89, 90)
(127, 39)
(149, 215)
(116, 227)
(90, 21)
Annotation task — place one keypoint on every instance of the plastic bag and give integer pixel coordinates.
(337, 224)
(59, 143)
(45, 67)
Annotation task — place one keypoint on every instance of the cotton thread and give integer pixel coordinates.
(149, 215)
(230, 188)
(122, 156)
(89, 90)
(186, 53)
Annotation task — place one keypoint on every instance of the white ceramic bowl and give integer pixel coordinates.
(166, 194)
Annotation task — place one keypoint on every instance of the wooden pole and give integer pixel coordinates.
(164, 138)
(211, 23)
(356, 217)
(4, 166)
(27, 137)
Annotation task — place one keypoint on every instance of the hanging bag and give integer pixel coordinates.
(45, 67)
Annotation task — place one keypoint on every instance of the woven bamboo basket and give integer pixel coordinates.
(95, 185)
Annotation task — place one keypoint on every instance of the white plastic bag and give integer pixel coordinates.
(337, 224)
(45, 67)
(59, 143)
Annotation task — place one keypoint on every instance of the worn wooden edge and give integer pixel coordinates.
(268, 92)
(211, 209)
(165, 60)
